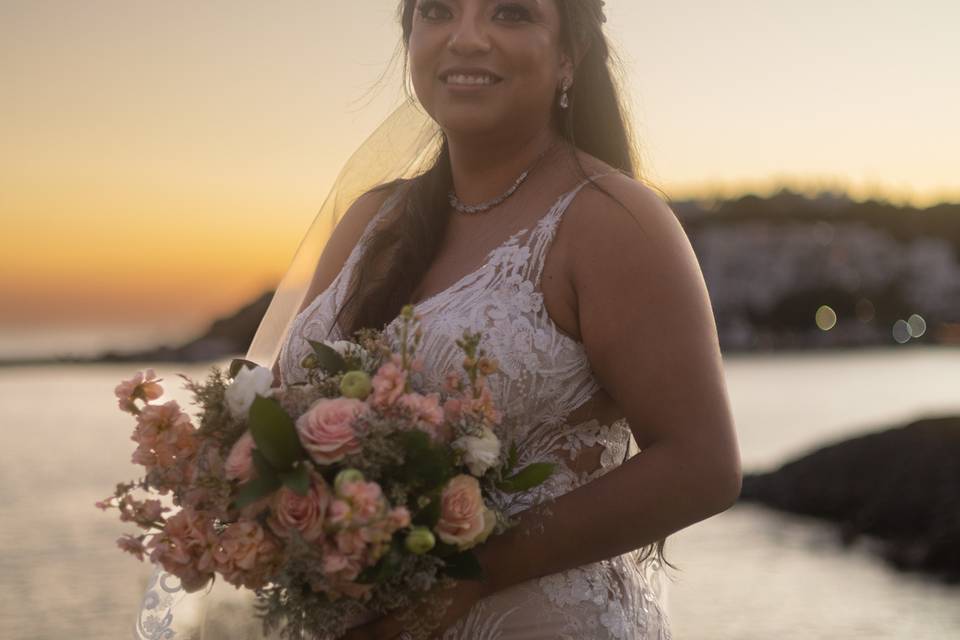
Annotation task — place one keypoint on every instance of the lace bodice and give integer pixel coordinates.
(544, 377)
(544, 373)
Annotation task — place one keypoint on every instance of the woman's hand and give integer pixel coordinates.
(439, 609)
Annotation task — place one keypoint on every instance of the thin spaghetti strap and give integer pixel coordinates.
(543, 236)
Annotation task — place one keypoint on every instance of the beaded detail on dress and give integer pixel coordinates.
(544, 376)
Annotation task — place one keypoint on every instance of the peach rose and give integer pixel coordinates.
(305, 514)
(326, 429)
(239, 464)
(463, 517)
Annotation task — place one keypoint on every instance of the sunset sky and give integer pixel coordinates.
(161, 160)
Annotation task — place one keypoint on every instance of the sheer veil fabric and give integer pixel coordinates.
(401, 147)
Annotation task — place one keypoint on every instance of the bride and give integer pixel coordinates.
(529, 225)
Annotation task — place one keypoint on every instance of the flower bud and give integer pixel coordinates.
(345, 476)
(356, 384)
(420, 540)
(310, 361)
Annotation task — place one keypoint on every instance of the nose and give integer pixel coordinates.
(468, 37)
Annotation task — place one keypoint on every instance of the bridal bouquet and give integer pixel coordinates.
(348, 495)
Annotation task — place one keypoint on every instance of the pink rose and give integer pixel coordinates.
(389, 383)
(326, 429)
(463, 517)
(305, 514)
(239, 464)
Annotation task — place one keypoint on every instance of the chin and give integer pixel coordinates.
(469, 121)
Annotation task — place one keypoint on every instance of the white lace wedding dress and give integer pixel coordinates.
(544, 377)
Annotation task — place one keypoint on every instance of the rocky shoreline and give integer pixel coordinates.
(900, 486)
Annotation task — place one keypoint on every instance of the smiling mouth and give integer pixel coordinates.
(469, 79)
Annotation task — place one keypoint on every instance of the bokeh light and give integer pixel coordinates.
(901, 331)
(917, 326)
(826, 318)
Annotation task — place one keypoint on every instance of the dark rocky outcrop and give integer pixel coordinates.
(900, 486)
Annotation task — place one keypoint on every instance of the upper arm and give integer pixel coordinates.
(344, 238)
(648, 326)
(338, 248)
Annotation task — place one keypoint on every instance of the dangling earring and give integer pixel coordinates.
(564, 98)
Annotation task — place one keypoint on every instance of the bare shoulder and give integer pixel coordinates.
(623, 227)
(345, 237)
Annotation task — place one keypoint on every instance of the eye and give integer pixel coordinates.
(433, 11)
(512, 13)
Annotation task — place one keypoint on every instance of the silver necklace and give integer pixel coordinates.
(490, 204)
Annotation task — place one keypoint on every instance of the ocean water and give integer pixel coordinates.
(746, 574)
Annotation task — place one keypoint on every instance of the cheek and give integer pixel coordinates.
(422, 62)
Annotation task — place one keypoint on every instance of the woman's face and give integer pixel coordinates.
(487, 66)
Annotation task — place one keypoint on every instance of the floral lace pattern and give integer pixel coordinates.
(155, 621)
(545, 376)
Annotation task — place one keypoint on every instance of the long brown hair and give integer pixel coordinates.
(400, 253)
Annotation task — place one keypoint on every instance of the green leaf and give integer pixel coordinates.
(297, 480)
(388, 565)
(254, 490)
(425, 463)
(527, 478)
(444, 549)
(464, 566)
(238, 363)
(263, 466)
(275, 434)
(329, 360)
(512, 457)
(429, 515)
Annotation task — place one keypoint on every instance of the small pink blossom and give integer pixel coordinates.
(247, 556)
(453, 382)
(164, 435)
(389, 383)
(365, 498)
(186, 548)
(426, 408)
(399, 517)
(132, 545)
(239, 464)
(143, 386)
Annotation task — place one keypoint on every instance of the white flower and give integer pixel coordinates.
(479, 453)
(343, 347)
(248, 384)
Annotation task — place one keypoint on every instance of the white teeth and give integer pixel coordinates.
(459, 78)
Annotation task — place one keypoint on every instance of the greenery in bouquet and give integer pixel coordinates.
(347, 495)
